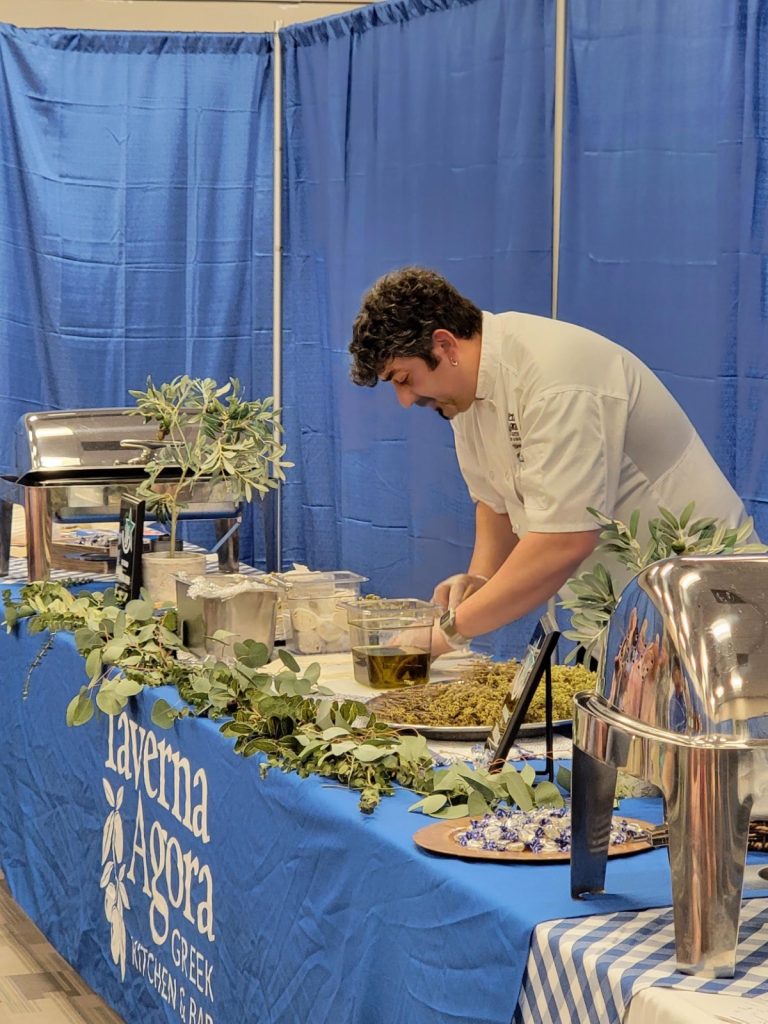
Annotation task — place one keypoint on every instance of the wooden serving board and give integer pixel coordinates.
(442, 837)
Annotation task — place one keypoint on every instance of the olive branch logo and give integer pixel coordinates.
(115, 893)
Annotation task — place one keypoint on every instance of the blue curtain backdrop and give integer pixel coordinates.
(415, 132)
(136, 208)
(663, 240)
(136, 217)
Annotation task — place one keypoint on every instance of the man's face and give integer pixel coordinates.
(443, 389)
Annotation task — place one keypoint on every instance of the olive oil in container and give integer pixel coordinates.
(389, 668)
(391, 641)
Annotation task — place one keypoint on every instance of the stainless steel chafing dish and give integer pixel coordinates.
(73, 466)
(682, 702)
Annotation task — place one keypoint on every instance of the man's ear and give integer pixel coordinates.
(444, 343)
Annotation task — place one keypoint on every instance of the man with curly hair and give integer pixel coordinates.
(548, 418)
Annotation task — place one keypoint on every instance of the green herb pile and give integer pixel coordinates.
(567, 680)
(286, 716)
(477, 699)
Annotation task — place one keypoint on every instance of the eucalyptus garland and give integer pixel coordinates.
(286, 716)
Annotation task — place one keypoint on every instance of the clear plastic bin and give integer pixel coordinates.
(315, 605)
(391, 641)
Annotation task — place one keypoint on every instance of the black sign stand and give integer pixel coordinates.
(536, 664)
(549, 739)
(130, 547)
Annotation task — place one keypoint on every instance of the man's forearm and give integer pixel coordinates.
(494, 541)
(535, 570)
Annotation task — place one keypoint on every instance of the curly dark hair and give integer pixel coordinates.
(398, 317)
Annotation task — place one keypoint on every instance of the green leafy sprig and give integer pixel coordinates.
(594, 594)
(286, 715)
(123, 648)
(207, 432)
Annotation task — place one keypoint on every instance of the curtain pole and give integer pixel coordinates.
(277, 277)
(557, 171)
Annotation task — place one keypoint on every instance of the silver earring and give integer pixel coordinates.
(454, 362)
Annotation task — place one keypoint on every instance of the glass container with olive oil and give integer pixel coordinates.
(390, 668)
(391, 641)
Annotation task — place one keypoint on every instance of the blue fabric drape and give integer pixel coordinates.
(743, 251)
(415, 132)
(135, 228)
(663, 241)
(136, 220)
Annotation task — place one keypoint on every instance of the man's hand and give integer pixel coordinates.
(440, 644)
(455, 589)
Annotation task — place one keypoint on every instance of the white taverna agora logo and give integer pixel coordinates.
(127, 532)
(113, 875)
(164, 867)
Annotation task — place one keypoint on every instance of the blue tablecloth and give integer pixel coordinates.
(240, 899)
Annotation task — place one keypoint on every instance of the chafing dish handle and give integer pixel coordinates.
(145, 447)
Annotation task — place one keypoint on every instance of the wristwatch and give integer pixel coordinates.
(447, 625)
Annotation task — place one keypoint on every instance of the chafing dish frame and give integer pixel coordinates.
(103, 457)
(707, 772)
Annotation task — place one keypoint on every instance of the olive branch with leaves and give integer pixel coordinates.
(208, 432)
(594, 592)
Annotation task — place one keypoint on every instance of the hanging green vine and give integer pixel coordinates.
(286, 715)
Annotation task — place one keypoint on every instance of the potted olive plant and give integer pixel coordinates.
(206, 432)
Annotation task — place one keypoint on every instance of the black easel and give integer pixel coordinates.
(536, 664)
(549, 737)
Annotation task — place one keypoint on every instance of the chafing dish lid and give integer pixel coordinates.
(688, 647)
(82, 444)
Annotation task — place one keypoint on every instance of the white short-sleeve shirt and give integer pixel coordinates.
(565, 419)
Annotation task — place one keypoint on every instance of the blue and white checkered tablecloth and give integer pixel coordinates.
(587, 969)
(17, 570)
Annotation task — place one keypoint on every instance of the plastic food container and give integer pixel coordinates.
(315, 606)
(391, 641)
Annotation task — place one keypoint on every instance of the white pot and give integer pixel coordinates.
(159, 572)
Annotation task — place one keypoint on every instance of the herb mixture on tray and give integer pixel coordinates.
(477, 699)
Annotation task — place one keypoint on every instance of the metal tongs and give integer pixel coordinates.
(658, 836)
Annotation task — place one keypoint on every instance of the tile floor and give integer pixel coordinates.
(36, 985)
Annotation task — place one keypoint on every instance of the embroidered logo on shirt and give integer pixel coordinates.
(515, 437)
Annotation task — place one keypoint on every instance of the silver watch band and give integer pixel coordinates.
(448, 628)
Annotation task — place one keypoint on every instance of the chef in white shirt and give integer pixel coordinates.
(549, 419)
